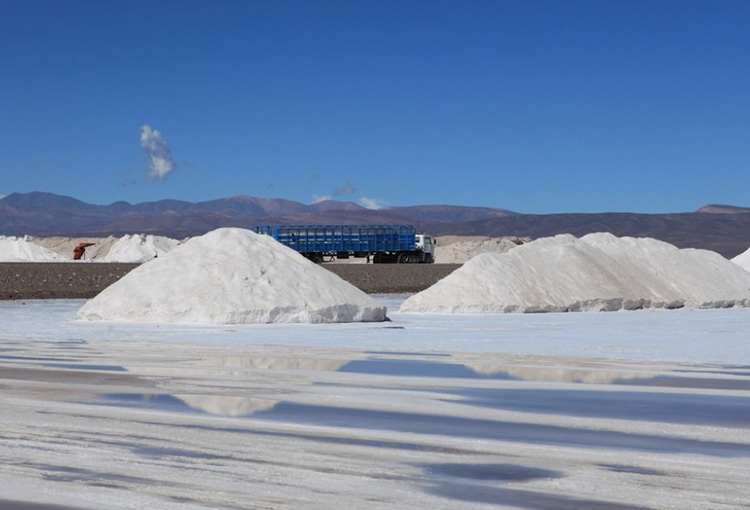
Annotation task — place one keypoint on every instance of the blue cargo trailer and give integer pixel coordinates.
(379, 243)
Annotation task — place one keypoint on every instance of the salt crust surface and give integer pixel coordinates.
(139, 248)
(21, 249)
(598, 272)
(232, 276)
(743, 259)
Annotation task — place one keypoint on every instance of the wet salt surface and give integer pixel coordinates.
(22, 505)
(448, 413)
(72, 366)
(416, 368)
(639, 335)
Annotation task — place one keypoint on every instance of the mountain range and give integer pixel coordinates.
(722, 228)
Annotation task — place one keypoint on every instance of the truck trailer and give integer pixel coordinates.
(380, 244)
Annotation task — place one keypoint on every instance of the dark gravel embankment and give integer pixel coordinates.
(47, 280)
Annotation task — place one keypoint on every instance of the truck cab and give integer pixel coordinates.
(426, 245)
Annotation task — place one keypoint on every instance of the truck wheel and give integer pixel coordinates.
(403, 258)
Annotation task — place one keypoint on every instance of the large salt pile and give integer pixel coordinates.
(596, 272)
(743, 260)
(139, 248)
(458, 249)
(21, 249)
(232, 276)
(65, 246)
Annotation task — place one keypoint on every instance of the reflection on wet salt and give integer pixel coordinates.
(11, 504)
(343, 440)
(36, 358)
(227, 405)
(490, 472)
(715, 372)
(668, 381)
(151, 401)
(409, 353)
(223, 405)
(618, 468)
(474, 483)
(272, 362)
(685, 408)
(516, 498)
(109, 368)
(454, 426)
(417, 368)
(158, 453)
(73, 474)
(555, 374)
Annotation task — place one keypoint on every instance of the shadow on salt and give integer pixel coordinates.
(482, 483)
(450, 426)
(680, 408)
(426, 368)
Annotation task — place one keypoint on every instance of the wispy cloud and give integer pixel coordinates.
(127, 179)
(2, 195)
(320, 198)
(160, 161)
(346, 190)
(371, 203)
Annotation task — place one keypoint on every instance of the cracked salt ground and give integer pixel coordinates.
(523, 412)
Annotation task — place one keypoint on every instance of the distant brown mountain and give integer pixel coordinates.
(723, 209)
(45, 214)
(725, 233)
(724, 229)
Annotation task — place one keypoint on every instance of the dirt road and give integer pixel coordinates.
(45, 280)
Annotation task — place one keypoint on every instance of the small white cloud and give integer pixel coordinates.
(160, 161)
(2, 195)
(320, 198)
(371, 203)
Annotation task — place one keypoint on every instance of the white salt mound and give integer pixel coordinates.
(460, 251)
(139, 248)
(743, 260)
(65, 246)
(232, 276)
(21, 249)
(597, 272)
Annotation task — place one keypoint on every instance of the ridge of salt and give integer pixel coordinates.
(743, 260)
(139, 248)
(232, 276)
(21, 249)
(596, 272)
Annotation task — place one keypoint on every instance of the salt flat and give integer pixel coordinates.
(621, 410)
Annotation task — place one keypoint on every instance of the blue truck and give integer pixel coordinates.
(381, 244)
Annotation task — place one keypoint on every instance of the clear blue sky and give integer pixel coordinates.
(533, 106)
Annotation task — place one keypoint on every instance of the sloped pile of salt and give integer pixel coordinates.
(596, 272)
(232, 276)
(743, 259)
(21, 249)
(139, 248)
(459, 252)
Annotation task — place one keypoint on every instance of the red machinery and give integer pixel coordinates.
(79, 250)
